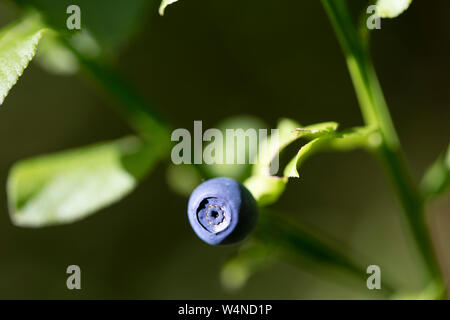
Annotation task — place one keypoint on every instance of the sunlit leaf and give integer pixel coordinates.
(54, 57)
(346, 140)
(286, 134)
(18, 43)
(267, 188)
(183, 178)
(164, 4)
(67, 186)
(392, 8)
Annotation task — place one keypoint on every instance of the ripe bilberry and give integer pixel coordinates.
(222, 211)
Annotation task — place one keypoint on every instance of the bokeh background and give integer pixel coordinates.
(210, 60)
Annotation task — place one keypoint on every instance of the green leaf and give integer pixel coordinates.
(392, 8)
(363, 137)
(183, 178)
(18, 43)
(55, 57)
(164, 4)
(318, 129)
(433, 291)
(287, 133)
(437, 178)
(304, 152)
(322, 136)
(266, 188)
(68, 186)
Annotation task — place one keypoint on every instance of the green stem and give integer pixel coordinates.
(141, 115)
(375, 112)
(304, 244)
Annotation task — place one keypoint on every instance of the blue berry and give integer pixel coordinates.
(222, 211)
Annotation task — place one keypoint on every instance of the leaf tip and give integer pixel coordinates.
(164, 5)
(392, 8)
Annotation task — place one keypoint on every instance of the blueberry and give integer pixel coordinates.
(222, 211)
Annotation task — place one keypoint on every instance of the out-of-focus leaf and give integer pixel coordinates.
(322, 136)
(251, 257)
(18, 43)
(65, 187)
(318, 129)
(56, 58)
(236, 171)
(265, 188)
(110, 22)
(183, 178)
(434, 291)
(86, 44)
(437, 178)
(392, 8)
(164, 4)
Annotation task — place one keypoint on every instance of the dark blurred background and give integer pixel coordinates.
(209, 60)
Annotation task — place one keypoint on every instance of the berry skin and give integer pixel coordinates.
(222, 211)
